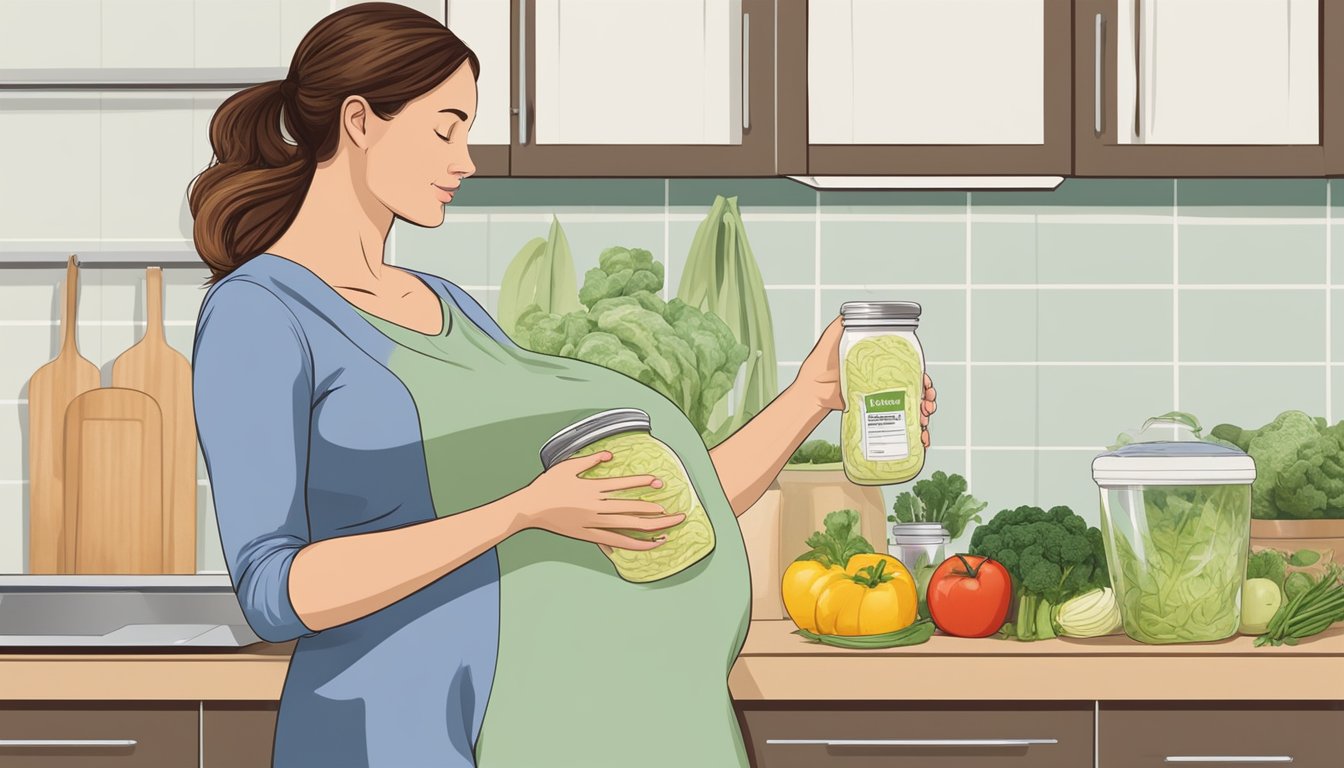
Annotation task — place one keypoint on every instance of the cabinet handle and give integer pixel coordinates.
(1138, 68)
(522, 72)
(67, 742)
(1228, 759)
(915, 742)
(1096, 71)
(746, 71)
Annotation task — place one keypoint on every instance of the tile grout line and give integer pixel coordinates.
(966, 278)
(1329, 310)
(1175, 296)
(667, 226)
(816, 275)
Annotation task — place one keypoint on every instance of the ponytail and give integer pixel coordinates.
(250, 195)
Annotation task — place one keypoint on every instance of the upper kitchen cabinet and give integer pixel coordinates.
(486, 27)
(924, 87)
(654, 88)
(1204, 88)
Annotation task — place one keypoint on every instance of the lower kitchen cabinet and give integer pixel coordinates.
(971, 734)
(238, 734)
(1310, 734)
(104, 734)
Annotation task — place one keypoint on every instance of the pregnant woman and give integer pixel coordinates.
(372, 438)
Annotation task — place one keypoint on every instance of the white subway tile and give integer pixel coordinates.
(50, 156)
(237, 33)
(146, 167)
(13, 441)
(50, 33)
(147, 33)
(13, 542)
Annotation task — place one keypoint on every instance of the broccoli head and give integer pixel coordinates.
(1051, 555)
(1313, 482)
(1274, 447)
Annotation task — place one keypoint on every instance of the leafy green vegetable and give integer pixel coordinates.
(1296, 583)
(1267, 564)
(722, 279)
(816, 452)
(1051, 556)
(1298, 446)
(1304, 558)
(689, 356)
(839, 541)
(542, 274)
(941, 498)
(1175, 579)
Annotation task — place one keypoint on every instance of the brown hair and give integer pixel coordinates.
(251, 192)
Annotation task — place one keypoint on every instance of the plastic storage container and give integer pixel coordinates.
(882, 383)
(921, 548)
(635, 451)
(1176, 518)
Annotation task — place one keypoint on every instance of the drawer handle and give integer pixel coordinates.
(1229, 759)
(67, 742)
(916, 742)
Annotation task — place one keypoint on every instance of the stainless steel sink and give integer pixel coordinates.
(121, 611)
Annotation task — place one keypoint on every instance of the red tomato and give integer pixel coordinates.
(969, 596)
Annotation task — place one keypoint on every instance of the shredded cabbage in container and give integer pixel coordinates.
(875, 365)
(639, 453)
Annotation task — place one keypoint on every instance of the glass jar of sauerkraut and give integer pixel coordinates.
(882, 383)
(635, 451)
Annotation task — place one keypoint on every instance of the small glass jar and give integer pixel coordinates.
(921, 548)
(625, 432)
(882, 383)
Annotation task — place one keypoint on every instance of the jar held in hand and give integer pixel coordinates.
(882, 384)
(625, 433)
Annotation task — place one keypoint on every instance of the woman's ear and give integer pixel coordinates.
(354, 121)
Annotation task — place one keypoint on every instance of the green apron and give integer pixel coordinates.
(592, 670)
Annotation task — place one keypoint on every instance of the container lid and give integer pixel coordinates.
(902, 539)
(589, 430)
(1178, 462)
(880, 313)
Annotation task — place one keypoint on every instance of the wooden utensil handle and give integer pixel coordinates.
(154, 302)
(68, 311)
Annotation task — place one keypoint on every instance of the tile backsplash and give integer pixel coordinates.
(1052, 320)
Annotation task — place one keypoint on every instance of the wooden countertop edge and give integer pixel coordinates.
(776, 665)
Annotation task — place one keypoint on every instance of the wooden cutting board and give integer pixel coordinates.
(163, 373)
(114, 499)
(50, 391)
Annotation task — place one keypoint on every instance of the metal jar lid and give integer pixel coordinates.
(589, 430)
(880, 313)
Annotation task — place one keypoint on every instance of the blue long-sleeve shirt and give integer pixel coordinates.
(308, 436)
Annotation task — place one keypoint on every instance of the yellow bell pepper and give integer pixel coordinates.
(803, 583)
(875, 598)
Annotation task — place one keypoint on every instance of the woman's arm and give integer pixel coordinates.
(748, 461)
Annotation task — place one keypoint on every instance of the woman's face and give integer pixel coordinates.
(418, 158)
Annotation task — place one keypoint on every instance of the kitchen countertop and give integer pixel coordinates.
(778, 665)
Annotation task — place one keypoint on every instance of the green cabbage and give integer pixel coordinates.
(639, 453)
(890, 368)
(1178, 568)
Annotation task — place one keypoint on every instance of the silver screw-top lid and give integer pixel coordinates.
(589, 430)
(880, 312)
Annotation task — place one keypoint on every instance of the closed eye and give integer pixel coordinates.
(445, 138)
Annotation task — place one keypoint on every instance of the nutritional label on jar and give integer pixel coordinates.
(884, 436)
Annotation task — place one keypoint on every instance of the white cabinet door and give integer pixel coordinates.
(1218, 71)
(894, 72)
(648, 72)
(484, 25)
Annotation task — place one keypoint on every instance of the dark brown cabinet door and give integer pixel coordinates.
(238, 734)
(919, 735)
(1199, 89)
(132, 734)
(1143, 735)
(624, 97)
(951, 88)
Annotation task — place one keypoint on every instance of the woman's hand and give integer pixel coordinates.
(561, 502)
(820, 375)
